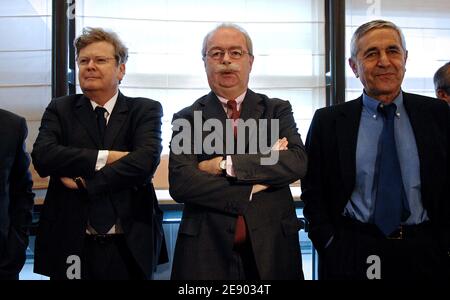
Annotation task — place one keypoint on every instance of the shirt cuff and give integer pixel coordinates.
(102, 158)
(229, 167)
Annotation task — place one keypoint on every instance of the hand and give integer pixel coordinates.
(259, 188)
(70, 183)
(114, 156)
(280, 145)
(211, 166)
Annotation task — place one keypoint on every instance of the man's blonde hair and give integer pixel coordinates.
(91, 35)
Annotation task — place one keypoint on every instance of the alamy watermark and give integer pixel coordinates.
(374, 269)
(70, 9)
(74, 269)
(252, 134)
(374, 8)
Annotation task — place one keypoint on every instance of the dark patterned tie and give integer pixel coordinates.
(101, 212)
(240, 234)
(391, 207)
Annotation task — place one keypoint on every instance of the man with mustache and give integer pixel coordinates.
(100, 218)
(239, 219)
(377, 188)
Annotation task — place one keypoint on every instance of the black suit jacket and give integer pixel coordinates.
(67, 146)
(331, 146)
(16, 197)
(212, 203)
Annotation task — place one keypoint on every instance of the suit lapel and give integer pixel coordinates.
(347, 126)
(251, 108)
(86, 116)
(212, 109)
(116, 121)
(419, 122)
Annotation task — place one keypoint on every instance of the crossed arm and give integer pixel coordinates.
(113, 156)
(212, 166)
(198, 183)
(53, 155)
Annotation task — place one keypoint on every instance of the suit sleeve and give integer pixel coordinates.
(190, 185)
(139, 166)
(313, 187)
(50, 155)
(20, 208)
(290, 165)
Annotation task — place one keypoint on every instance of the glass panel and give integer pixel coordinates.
(25, 59)
(25, 7)
(25, 33)
(24, 68)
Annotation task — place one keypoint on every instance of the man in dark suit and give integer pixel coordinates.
(239, 219)
(377, 188)
(101, 150)
(16, 196)
(442, 83)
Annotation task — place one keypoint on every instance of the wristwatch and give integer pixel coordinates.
(223, 165)
(79, 182)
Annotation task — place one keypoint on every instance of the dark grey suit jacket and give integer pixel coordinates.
(331, 146)
(212, 203)
(16, 197)
(67, 146)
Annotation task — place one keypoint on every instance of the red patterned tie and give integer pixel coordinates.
(240, 234)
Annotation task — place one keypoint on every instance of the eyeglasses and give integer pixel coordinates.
(234, 53)
(98, 60)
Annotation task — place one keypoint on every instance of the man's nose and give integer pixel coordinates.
(91, 64)
(384, 60)
(226, 58)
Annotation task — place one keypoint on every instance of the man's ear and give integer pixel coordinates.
(352, 64)
(251, 59)
(121, 74)
(441, 94)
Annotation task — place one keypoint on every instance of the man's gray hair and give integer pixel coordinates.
(232, 26)
(375, 24)
(442, 78)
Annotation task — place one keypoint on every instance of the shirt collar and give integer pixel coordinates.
(239, 99)
(109, 105)
(371, 104)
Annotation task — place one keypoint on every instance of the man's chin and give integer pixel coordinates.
(228, 87)
(232, 82)
(89, 87)
(89, 90)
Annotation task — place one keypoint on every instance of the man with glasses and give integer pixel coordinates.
(100, 218)
(239, 219)
(377, 189)
(442, 83)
